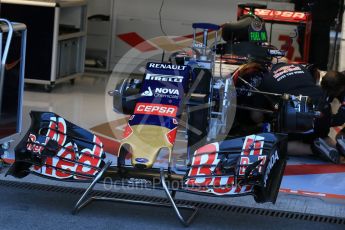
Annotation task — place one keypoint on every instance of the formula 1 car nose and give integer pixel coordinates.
(145, 142)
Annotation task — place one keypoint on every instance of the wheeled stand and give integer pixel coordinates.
(12, 63)
(86, 200)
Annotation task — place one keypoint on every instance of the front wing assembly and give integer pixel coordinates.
(58, 149)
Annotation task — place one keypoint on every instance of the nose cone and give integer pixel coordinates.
(140, 163)
(140, 166)
(146, 141)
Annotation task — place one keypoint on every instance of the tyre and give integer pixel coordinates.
(199, 108)
(125, 95)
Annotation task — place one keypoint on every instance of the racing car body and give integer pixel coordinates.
(153, 124)
(252, 164)
(57, 149)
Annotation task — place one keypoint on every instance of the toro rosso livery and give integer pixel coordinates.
(248, 165)
(56, 148)
(184, 94)
(153, 124)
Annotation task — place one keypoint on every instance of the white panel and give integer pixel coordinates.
(342, 56)
(142, 17)
(99, 7)
(218, 11)
(342, 48)
(281, 35)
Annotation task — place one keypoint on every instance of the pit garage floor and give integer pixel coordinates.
(310, 186)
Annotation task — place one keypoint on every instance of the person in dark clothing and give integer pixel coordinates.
(323, 16)
(280, 78)
(296, 79)
(333, 83)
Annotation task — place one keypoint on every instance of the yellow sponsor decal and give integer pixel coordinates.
(146, 141)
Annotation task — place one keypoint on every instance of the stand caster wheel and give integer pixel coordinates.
(48, 88)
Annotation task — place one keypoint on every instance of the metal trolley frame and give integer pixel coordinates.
(9, 29)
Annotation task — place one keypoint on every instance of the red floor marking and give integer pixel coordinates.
(313, 169)
(189, 36)
(110, 146)
(136, 41)
(317, 194)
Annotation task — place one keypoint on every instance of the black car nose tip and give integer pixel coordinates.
(140, 166)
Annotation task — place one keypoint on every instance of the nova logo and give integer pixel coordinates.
(164, 78)
(167, 91)
(161, 92)
(147, 93)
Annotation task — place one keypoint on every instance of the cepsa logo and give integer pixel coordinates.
(268, 14)
(156, 109)
(164, 78)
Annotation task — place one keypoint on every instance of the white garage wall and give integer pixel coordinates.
(342, 48)
(216, 11)
(142, 17)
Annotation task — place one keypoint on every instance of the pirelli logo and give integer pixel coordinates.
(164, 78)
(156, 109)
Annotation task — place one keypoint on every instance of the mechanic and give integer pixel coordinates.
(296, 79)
(280, 78)
(333, 83)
